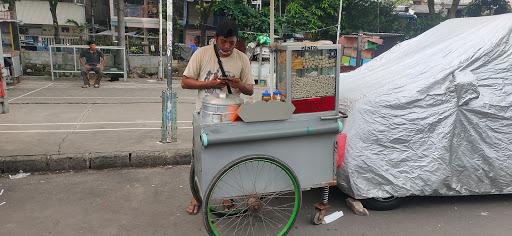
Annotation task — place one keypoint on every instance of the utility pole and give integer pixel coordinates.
(272, 78)
(169, 129)
(121, 24)
(339, 23)
(160, 46)
(92, 21)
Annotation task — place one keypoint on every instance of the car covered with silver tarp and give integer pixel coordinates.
(433, 115)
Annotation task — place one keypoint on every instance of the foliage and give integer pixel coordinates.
(11, 3)
(422, 24)
(370, 16)
(487, 7)
(318, 18)
(321, 17)
(309, 15)
(249, 19)
(81, 27)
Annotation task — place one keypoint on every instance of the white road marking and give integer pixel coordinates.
(91, 123)
(31, 92)
(179, 98)
(82, 130)
(84, 97)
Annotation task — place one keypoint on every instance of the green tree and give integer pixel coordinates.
(422, 24)
(321, 17)
(82, 28)
(431, 7)
(205, 11)
(249, 20)
(371, 16)
(12, 6)
(487, 7)
(453, 8)
(318, 17)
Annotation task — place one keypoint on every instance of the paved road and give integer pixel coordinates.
(60, 117)
(151, 202)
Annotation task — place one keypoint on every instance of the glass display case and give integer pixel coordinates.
(307, 74)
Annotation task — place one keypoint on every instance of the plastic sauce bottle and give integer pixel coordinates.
(276, 95)
(266, 96)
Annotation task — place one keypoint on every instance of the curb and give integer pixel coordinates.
(97, 161)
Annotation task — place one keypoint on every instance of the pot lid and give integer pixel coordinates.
(222, 99)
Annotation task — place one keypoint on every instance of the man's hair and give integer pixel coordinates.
(227, 28)
(89, 42)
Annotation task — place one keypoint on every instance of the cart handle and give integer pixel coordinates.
(339, 116)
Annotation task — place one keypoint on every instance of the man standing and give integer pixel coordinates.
(204, 74)
(194, 45)
(92, 59)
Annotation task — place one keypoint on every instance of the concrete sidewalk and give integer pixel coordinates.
(57, 125)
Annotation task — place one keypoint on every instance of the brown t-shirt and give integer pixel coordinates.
(203, 65)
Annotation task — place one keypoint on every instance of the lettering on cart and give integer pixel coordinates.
(309, 48)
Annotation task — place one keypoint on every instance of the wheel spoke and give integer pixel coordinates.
(254, 196)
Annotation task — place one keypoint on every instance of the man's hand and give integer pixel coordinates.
(235, 83)
(216, 83)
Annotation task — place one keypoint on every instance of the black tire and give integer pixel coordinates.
(227, 168)
(382, 204)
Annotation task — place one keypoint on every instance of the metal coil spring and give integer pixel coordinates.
(325, 195)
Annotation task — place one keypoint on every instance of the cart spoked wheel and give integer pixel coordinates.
(255, 195)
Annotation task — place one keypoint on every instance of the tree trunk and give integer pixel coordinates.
(53, 10)
(121, 33)
(431, 7)
(453, 9)
(205, 11)
(12, 9)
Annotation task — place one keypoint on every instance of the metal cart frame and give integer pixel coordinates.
(305, 143)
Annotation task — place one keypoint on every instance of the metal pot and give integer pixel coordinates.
(220, 108)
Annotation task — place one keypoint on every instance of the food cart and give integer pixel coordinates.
(249, 173)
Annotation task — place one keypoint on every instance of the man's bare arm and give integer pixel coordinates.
(102, 62)
(189, 83)
(247, 89)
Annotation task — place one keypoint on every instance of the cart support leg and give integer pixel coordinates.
(321, 207)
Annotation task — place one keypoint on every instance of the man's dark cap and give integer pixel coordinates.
(227, 28)
(89, 42)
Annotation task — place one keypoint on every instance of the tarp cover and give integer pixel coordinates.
(433, 115)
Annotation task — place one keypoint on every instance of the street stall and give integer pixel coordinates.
(252, 160)
(11, 50)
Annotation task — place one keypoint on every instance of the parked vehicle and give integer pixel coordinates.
(432, 116)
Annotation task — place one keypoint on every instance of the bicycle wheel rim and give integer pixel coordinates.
(285, 170)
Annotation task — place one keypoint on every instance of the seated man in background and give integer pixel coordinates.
(92, 59)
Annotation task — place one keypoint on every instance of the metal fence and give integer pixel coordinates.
(67, 61)
(50, 40)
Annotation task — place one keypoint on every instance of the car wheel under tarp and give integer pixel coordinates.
(382, 204)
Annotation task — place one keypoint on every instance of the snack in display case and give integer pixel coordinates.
(311, 86)
(307, 75)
